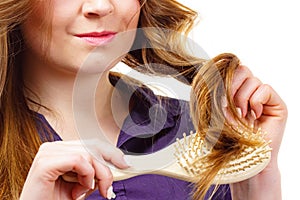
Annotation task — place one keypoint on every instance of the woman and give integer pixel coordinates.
(44, 44)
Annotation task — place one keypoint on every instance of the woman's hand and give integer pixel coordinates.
(57, 158)
(259, 102)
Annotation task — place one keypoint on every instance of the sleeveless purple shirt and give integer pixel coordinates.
(140, 135)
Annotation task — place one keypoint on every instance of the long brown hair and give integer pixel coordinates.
(17, 126)
(210, 81)
(19, 138)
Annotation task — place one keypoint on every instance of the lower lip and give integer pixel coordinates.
(98, 41)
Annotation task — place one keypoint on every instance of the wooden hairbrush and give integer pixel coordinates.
(183, 160)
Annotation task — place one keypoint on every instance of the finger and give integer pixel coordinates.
(55, 166)
(244, 93)
(98, 149)
(79, 192)
(271, 114)
(108, 152)
(240, 75)
(116, 157)
(229, 117)
(84, 169)
(104, 177)
(266, 101)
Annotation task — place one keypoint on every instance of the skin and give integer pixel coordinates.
(270, 113)
(49, 76)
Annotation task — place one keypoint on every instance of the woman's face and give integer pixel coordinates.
(77, 27)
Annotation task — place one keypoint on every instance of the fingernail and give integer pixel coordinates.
(93, 184)
(81, 197)
(110, 193)
(253, 114)
(127, 161)
(239, 112)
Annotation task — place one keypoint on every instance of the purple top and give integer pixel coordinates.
(139, 135)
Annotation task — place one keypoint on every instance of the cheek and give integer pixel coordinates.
(130, 11)
(34, 34)
(36, 29)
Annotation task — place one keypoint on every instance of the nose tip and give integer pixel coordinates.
(97, 8)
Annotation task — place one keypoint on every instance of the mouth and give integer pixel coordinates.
(97, 38)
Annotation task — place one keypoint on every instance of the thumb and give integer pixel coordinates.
(108, 152)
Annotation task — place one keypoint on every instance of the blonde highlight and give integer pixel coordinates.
(210, 81)
(17, 127)
(19, 137)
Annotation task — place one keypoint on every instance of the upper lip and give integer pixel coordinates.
(95, 34)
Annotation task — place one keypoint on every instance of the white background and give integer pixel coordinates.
(264, 34)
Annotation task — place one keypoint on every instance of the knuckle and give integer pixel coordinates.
(109, 175)
(117, 153)
(267, 87)
(256, 80)
(241, 98)
(39, 161)
(254, 102)
(110, 153)
(78, 158)
(244, 70)
(45, 146)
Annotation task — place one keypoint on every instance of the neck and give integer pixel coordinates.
(55, 91)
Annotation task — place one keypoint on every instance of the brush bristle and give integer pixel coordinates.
(191, 152)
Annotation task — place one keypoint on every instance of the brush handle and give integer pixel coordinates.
(159, 162)
(164, 162)
(173, 170)
(117, 175)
